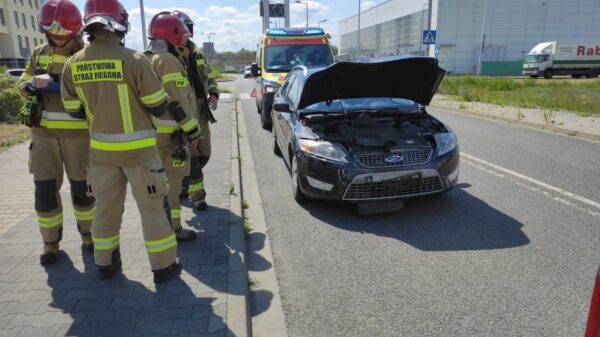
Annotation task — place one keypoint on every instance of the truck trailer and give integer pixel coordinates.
(563, 58)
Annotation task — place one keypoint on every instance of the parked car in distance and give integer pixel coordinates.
(14, 73)
(359, 131)
(247, 72)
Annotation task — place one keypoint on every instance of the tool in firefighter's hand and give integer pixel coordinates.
(30, 113)
(53, 87)
(182, 145)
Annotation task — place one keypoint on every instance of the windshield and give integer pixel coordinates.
(354, 104)
(283, 58)
(247, 68)
(533, 58)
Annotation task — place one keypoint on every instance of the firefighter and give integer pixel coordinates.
(178, 130)
(120, 92)
(207, 94)
(59, 140)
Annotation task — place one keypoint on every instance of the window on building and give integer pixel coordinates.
(30, 5)
(32, 23)
(20, 42)
(35, 41)
(17, 19)
(36, 4)
(2, 17)
(24, 21)
(27, 45)
(21, 2)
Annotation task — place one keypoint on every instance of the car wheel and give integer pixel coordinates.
(575, 76)
(533, 76)
(276, 149)
(592, 74)
(265, 125)
(258, 106)
(298, 195)
(548, 74)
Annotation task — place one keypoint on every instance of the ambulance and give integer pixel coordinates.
(278, 52)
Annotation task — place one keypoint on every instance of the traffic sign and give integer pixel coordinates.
(429, 36)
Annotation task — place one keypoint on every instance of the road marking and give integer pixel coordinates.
(534, 181)
(225, 96)
(244, 96)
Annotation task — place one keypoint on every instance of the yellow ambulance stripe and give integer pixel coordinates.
(189, 125)
(84, 215)
(81, 96)
(154, 98)
(106, 243)
(125, 108)
(124, 146)
(158, 246)
(196, 187)
(50, 222)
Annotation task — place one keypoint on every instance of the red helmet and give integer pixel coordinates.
(187, 21)
(167, 26)
(60, 19)
(109, 13)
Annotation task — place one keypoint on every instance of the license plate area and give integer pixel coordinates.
(413, 180)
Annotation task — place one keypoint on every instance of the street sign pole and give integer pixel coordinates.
(143, 24)
(266, 18)
(287, 13)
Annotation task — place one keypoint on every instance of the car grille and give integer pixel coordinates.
(385, 190)
(410, 157)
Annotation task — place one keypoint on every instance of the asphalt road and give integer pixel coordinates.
(513, 251)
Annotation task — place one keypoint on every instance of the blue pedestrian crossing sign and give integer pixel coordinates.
(429, 36)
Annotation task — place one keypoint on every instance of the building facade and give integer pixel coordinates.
(19, 32)
(507, 29)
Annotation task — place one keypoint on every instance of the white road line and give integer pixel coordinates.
(534, 181)
(225, 96)
(244, 96)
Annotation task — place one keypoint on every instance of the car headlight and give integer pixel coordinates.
(446, 142)
(271, 89)
(326, 150)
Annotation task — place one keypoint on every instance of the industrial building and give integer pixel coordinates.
(507, 29)
(19, 32)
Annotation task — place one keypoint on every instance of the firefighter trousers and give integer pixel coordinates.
(176, 170)
(49, 158)
(200, 157)
(149, 185)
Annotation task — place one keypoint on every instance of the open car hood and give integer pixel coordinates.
(414, 78)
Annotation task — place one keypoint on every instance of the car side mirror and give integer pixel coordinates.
(282, 107)
(254, 70)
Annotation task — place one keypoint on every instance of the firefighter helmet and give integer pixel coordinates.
(109, 13)
(60, 19)
(167, 26)
(187, 21)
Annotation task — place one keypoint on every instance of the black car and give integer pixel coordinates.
(359, 131)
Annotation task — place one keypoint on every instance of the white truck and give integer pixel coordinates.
(563, 58)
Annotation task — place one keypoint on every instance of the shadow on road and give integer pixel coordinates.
(453, 221)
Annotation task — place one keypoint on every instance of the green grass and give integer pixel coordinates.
(231, 188)
(582, 98)
(247, 228)
(12, 134)
(253, 282)
(224, 90)
(245, 204)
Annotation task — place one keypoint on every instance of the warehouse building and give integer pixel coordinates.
(507, 28)
(19, 32)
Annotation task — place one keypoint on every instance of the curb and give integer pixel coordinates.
(566, 132)
(238, 322)
(268, 318)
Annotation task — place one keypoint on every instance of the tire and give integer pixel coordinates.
(276, 149)
(533, 76)
(298, 195)
(575, 76)
(548, 74)
(265, 125)
(258, 106)
(592, 74)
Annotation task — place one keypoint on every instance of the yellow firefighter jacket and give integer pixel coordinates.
(183, 104)
(119, 91)
(55, 122)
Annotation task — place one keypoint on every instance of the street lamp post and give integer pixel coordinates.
(481, 50)
(304, 3)
(209, 35)
(358, 31)
(322, 21)
(143, 24)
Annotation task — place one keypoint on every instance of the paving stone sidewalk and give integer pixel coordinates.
(68, 299)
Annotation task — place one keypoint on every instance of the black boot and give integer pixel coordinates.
(50, 255)
(165, 274)
(108, 272)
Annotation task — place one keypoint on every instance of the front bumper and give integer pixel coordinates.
(354, 183)
(530, 71)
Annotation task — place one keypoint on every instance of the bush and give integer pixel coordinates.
(10, 103)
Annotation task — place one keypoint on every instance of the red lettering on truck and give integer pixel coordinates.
(580, 50)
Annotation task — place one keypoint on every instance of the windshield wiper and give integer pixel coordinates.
(324, 113)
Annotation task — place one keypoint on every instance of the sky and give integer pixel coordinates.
(237, 24)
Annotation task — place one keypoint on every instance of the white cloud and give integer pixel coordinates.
(366, 5)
